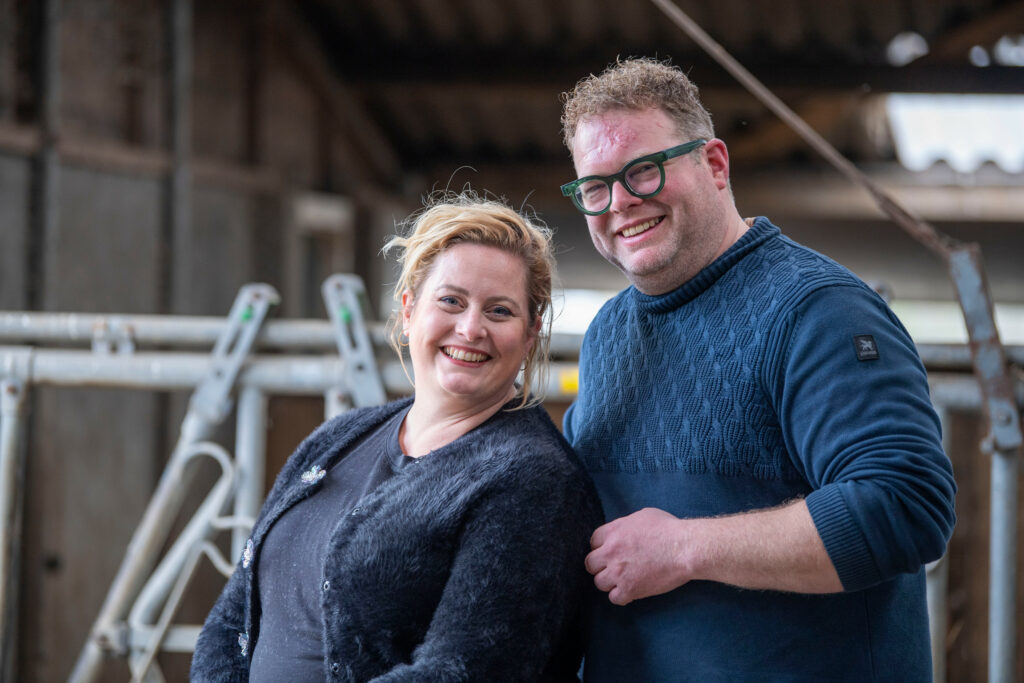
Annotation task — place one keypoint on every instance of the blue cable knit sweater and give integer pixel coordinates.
(773, 374)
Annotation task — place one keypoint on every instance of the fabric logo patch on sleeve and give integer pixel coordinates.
(866, 347)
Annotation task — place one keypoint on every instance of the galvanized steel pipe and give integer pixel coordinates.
(250, 460)
(12, 398)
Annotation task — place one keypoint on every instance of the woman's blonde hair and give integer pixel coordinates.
(451, 218)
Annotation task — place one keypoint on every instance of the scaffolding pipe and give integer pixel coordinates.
(12, 469)
(19, 327)
(1002, 606)
(250, 463)
(301, 375)
(177, 330)
(962, 392)
(295, 375)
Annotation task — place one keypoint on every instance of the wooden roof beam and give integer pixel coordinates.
(773, 137)
(985, 30)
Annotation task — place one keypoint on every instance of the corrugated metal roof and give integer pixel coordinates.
(477, 82)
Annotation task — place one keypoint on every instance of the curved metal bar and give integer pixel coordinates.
(167, 583)
(155, 591)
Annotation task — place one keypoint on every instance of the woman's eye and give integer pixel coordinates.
(501, 311)
(450, 300)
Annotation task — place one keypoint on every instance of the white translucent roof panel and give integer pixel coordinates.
(965, 131)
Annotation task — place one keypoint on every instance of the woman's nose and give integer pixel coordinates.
(469, 325)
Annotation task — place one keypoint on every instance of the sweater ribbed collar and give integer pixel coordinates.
(761, 231)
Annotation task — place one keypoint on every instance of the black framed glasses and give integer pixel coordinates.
(643, 177)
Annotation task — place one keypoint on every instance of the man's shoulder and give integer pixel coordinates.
(794, 269)
(799, 258)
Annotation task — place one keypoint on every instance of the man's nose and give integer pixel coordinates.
(621, 197)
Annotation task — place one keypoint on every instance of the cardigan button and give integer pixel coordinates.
(356, 511)
(327, 585)
(335, 667)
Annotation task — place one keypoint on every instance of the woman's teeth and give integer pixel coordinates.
(459, 354)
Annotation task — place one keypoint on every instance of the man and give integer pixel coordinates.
(754, 417)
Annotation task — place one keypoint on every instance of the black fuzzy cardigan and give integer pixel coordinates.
(465, 566)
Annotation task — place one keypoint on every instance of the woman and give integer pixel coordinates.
(437, 538)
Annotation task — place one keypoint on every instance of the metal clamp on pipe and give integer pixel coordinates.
(113, 334)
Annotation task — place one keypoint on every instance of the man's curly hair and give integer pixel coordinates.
(636, 84)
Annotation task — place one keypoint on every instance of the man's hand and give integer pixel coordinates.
(651, 552)
(638, 556)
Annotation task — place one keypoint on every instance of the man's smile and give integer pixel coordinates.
(641, 227)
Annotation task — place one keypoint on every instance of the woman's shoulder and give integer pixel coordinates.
(530, 426)
(526, 443)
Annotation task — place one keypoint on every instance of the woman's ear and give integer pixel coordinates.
(407, 303)
(532, 333)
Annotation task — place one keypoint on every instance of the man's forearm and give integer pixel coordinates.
(775, 549)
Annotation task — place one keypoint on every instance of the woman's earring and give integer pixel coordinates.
(403, 339)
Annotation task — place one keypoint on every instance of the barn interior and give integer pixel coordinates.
(158, 156)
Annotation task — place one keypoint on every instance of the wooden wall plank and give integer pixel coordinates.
(91, 466)
(15, 180)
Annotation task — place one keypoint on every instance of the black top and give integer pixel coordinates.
(290, 646)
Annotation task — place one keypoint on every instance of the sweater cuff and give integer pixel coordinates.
(844, 541)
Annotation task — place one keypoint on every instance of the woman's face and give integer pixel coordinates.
(469, 328)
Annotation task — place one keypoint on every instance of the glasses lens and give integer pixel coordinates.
(593, 195)
(644, 177)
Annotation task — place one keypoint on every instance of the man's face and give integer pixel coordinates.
(662, 241)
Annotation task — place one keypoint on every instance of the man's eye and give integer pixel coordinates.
(643, 169)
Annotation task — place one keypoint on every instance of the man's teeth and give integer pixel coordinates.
(637, 229)
(459, 354)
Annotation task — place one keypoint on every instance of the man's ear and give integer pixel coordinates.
(718, 161)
